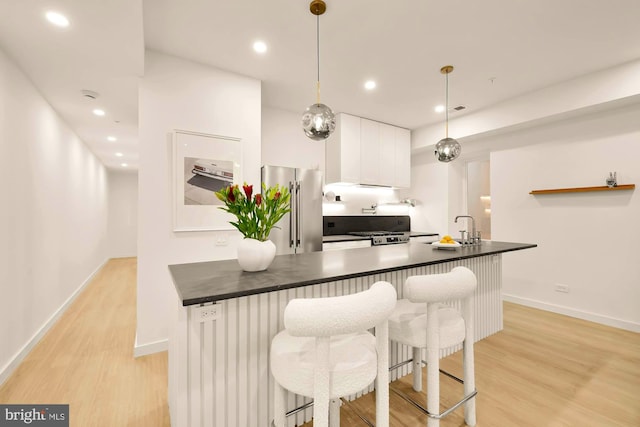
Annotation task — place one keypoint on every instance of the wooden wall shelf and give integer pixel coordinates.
(583, 189)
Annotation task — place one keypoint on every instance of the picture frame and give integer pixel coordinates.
(203, 164)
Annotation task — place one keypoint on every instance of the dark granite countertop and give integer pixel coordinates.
(202, 282)
(421, 233)
(343, 238)
(349, 237)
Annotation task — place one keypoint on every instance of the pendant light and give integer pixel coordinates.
(318, 121)
(447, 149)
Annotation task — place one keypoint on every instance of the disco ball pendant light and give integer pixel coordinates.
(447, 149)
(318, 121)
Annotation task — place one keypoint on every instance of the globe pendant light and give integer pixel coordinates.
(318, 121)
(447, 149)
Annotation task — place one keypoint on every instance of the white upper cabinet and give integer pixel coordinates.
(369, 152)
(363, 151)
(342, 150)
(387, 155)
(402, 178)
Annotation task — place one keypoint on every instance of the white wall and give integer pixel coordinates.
(53, 215)
(478, 186)
(591, 92)
(178, 94)
(285, 144)
(568, 135)
(123, 213)
(439, 194)
(427, 188)
(588, 241)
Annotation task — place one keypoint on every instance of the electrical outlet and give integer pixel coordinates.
(222, 240)
(562, 288)
(207, 313)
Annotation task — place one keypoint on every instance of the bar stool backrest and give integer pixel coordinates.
(325, 317)
(459, 283)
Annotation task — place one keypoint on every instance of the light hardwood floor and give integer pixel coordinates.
(86, 360)
(542, 370)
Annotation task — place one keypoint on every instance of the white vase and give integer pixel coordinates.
(254, 255)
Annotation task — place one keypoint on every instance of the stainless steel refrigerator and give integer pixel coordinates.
(301, 229)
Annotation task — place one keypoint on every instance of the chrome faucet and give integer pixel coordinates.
(474, 237)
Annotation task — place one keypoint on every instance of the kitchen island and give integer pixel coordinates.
(225, 318)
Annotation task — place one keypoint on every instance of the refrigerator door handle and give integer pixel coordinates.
(298, 214)
(291, 217)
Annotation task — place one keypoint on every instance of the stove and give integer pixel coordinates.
(383, 237)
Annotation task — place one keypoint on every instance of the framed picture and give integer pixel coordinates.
(202, 165)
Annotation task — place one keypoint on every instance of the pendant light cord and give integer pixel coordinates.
(447, 106)
(318, 57)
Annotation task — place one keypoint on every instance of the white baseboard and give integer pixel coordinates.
(13, 363)
(579, 314)
(140, 350)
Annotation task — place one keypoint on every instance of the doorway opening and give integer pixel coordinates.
(479, 195)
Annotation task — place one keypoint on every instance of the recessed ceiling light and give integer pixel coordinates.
(57, 19)
(124, 165)
(439, 109)
(112, 138)
(99, 112)
(260, 46)
(118, 154)
(370, 85)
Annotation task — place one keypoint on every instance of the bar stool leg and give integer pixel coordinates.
(382, 378)
(334, 413)
(469, 383)
(279, 406)
(417, 369)
(468, 365)
(322, 383)
(433, 365)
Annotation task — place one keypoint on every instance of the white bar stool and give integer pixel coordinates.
(326, 352)
(421, 321)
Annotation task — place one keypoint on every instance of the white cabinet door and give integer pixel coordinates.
(387, 155)
(363, 151)
(402, 178)
(342, 151)
(369, 152)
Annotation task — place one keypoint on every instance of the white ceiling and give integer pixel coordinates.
(102, 50)
(523, 45)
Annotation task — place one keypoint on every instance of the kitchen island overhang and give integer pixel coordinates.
(219, 362)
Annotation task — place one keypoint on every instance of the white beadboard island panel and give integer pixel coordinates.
(219, 370)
